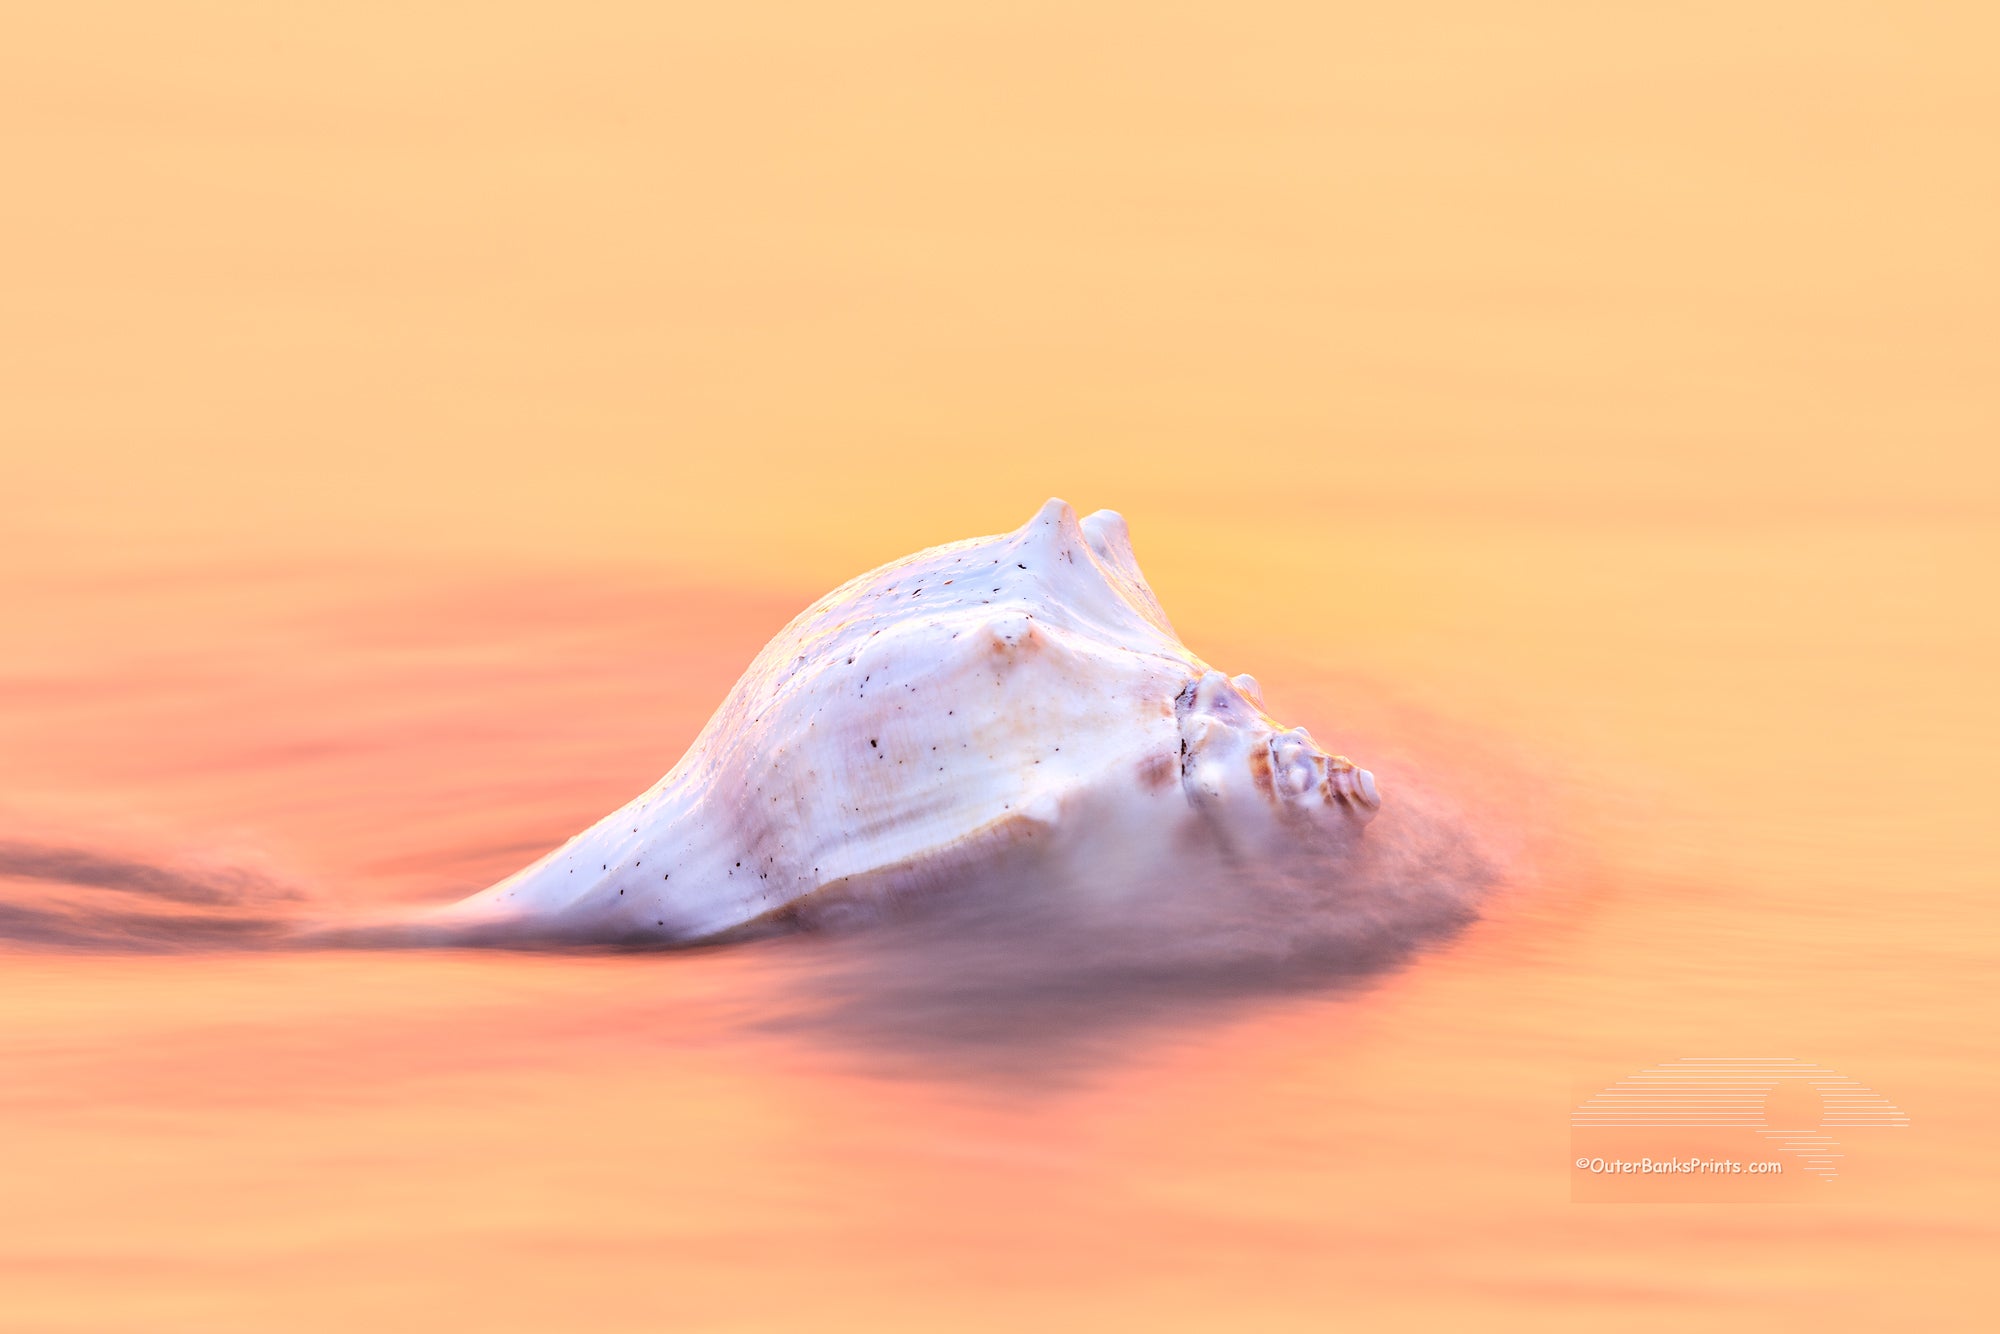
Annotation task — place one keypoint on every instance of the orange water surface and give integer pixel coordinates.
(414, 417)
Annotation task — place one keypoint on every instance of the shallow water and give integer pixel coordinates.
(410, 428)
(758, 1135)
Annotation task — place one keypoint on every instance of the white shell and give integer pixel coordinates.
(1017, 700)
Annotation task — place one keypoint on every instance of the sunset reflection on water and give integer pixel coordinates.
(411, 427)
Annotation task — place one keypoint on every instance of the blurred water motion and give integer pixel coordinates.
(412, 420)
(960, 1097)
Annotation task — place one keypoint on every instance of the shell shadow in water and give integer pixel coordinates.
(1015, 976)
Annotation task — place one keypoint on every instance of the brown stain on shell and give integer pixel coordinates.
(1159, 772)
(1260, 772)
